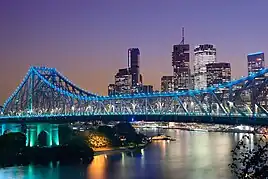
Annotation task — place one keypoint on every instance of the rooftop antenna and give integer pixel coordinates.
(182, 41)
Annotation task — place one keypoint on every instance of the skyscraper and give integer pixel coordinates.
(204, 54)
(255, 62)
(134, 66)
(218, 73)
(181, 65)
(167, 83)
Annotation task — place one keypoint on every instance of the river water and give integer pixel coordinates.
(194, 155)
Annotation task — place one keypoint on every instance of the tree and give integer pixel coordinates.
(65, 134)
(126, 130)
(250, 163)
(110, 133)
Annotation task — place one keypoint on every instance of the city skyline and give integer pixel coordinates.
(70, 43)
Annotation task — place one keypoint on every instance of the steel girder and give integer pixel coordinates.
(44, 91)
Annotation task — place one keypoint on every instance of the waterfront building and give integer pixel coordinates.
(167, 83)
(204, 54)
(255, 62)
(218, 73)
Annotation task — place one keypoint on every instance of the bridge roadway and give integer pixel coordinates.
(228, 120)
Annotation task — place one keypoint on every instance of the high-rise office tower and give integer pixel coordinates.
(167, 83)
(134, 66)
(123, 81)
(181, 65)
(218, 73)
(255, 62)
(204, 54)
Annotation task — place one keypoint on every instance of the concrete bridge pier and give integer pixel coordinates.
(43, 134)
(47, 131)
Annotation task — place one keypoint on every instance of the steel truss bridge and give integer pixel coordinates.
(46, 93)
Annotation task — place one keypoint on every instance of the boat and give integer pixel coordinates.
(162, 137)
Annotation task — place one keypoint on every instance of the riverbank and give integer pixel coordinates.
(209, 130)
(114, 150)
(13, 152)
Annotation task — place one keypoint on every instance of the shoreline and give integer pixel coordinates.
(205, 130)
(114, 150)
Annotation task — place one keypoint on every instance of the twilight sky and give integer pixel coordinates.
(87, 40)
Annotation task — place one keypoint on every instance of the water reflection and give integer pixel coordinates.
(97, 169)
(193, 155)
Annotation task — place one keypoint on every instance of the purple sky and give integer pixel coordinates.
(88, 40)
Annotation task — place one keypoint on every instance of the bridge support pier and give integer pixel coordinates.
(49, 130)
(34, 131)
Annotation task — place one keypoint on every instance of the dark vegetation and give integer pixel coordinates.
(73, 149)
(122, 134)
(250, 163)
(14, 152)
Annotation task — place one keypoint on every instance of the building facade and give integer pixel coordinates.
(218, 73)
(255, 62)
(147, 89)
(111, 89)
(203, 54)
(123, 81)
(181, 66)
(134, 65)
(167, 83)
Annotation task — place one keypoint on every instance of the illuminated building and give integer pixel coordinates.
(191, 85)
(181, 65)
(111, 89)
(147, 89)
(255, 62)
(134, 66)
(204, 54)
(123, 81)
(218, 73)
(167, 83)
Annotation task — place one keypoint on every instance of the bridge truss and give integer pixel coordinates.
(46, 92)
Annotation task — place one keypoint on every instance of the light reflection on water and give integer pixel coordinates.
(193, 155)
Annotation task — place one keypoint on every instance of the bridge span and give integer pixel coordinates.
(45, 95)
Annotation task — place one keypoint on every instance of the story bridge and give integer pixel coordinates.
(47, 96)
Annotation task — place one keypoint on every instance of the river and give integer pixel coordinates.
(194, 155)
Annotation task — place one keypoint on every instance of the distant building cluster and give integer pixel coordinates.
(129, 80)
(207, 71)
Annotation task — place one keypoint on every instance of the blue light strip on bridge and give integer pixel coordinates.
(126, 96)
(257, 53)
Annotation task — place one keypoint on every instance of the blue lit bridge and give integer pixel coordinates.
(46, 98)
(45, 93)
